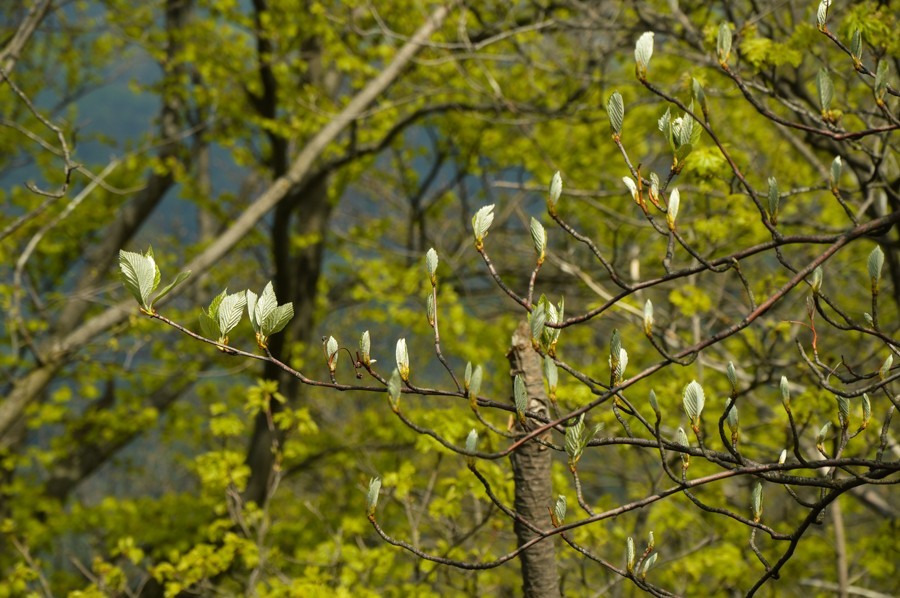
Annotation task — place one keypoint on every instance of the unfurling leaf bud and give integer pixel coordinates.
(723, 43)
(520, 397)
(654, 404)
(402, 356)
(629, 554)
(364, 347)
(822, 14)
(559, 511)
(431, 264)
(756, 501)
(693, 399)
(331, 353)
(774, 199)
(648, 318)
(481, 222)
(643, 50)
(372, 496)
(471, 446)
(393, 390)
(539, 239)
(555, 192)
(615, 110)
(816, 282)
(875, 263)
(474, 387)
(672, 209)
(836, 167)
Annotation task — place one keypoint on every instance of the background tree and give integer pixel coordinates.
(259, 103)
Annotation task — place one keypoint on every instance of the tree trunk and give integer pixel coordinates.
(531, 474)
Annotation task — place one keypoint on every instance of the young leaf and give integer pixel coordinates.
(364, 348)
(209, 326)
(402, 356)
(472, 442)
(138, 275)
(372, 496)
(651, 560)
(431, 264)
(555, 192)
(654, 404)
(782, 457)
(700, 96)
(843, 410)
(429, 309)
(856, 44)
(520, 397)
(331, 352)
(648, 318)
(825, 88)
(816, 282)
(732, 418)
(774, 198)
(732, 376)
(559, 510)
(874, 264)
(672, 210)
(481, 222)
(539, 239)
(182, 276)
(575, 440)
(643, 50)
(822, 13)
(551, 373)
(785, 392)
(629, 554)
(632, 187)
(277, 319)
(230, 310)
(475, 384)
(881, 80)
(537, 319)
(756, 501)
(393, 390)
(885, 370)
(723, 43)
(693, 400)
(615, 110)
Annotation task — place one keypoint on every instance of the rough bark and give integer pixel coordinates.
(531, 474)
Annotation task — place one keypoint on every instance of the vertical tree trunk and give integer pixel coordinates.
(531, 474)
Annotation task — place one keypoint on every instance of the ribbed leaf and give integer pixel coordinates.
(538, 238)
(615, 110)
(693, 400)
(520, 396)
(138, 275)
(643, 50)
(723, 42)
(825, 87)
(559, 509)
(431, 263)
(481, 222)
(230, 311)
(555, 191)
(277, 319)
